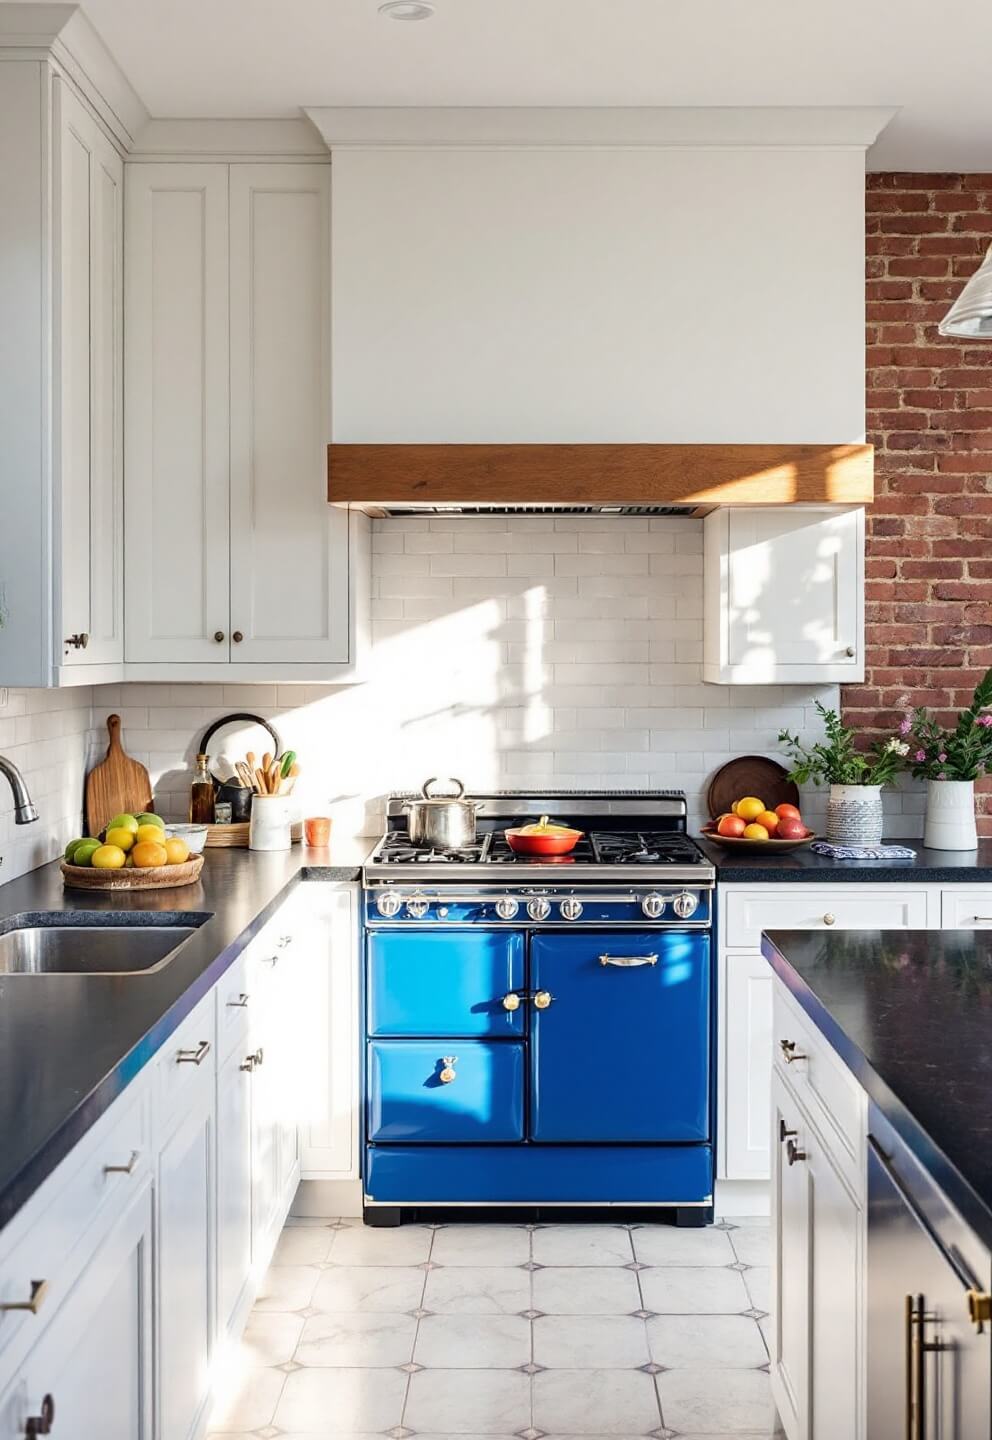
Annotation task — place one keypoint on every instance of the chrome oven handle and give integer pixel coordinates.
(628, 961)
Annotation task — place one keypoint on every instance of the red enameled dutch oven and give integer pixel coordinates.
(557, 843)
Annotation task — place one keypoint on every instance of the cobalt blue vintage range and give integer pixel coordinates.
(541, 1032)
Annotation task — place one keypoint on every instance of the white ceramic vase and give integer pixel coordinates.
(854, 815)
(950, 822)
(271, 826)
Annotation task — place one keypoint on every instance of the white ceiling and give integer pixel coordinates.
(216, 58)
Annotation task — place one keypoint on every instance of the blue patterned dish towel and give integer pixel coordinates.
(863, 852)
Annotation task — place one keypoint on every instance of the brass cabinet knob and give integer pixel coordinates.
(218, 636)
(511, 1001)
(542, 999)
(829, 919)
(237, 637)
(850, 652)
(979, 1308)
(448, 1073)
(78, 641)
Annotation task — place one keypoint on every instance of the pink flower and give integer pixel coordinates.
(984, 720)
(920, 756)
(942, 757)
(906, 724)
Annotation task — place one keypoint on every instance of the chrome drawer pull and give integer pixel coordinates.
(790, 1052)
(251, 1061)
(240, 1003)
(985, 919)
(448, 1073)
(628, 961)
(194, 1057)
(127, 1169)
(39, 1290)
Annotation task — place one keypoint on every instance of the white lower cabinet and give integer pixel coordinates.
(234, 1190)
(185, 1265)
(328, 1030)
(747, 1010)
(818, 1268)
(91, 1369)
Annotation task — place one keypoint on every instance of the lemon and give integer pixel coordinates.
(121, 837)
(177, 850)
(750, 807)
(123, 821)
(154, 833)
(84, 851)
(108, 857)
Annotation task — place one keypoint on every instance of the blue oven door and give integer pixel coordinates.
(622, 1051)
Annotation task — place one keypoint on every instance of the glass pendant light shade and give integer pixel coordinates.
(970, 317)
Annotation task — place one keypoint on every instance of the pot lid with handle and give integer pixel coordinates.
(426, 798)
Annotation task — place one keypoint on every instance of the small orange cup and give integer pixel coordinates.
(317, 831)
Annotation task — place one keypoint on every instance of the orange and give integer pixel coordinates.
(749, 808)
(108, 857)
(176, 850)
(769, 819)
(148, 853)
(755, 832)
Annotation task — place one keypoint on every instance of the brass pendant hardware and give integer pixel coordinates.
(448, 1073)
(39, 1290)
(511, 1001)
(917, 1347)
(790, 1052)
(979, 1308)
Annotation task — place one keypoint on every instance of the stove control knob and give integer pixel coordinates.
(571, 908)
(388, 904)
(507, 907)
(685, 904)
(539, 909)
(417, 908)
(653, 906)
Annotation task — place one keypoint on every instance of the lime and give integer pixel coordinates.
(148, 818)
(69, 849)
(124, 821)
(84, 851)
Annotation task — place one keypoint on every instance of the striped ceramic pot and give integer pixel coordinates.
(854, 815)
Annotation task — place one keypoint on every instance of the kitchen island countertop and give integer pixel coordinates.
(910, 1014)
(804, 866)
(69, 1043)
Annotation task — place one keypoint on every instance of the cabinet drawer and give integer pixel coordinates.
(806, 907)
(235, 1004)
(188, 1058)
(409, 1101)
(48, 1242)
(445, 984)
(267, 952)
(966, 909)
(822, 1083)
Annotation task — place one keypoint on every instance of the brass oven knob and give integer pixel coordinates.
(511, 1001)
(542, 999)
(448, 1073)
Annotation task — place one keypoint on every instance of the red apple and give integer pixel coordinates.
(731, 825)
(787, 812)
(790, 828)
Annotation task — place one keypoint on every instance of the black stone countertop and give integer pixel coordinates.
(954, 867)
(910, 1014)
(70, 1043)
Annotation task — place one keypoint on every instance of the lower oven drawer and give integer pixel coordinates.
(410, 1102)
(449, 983)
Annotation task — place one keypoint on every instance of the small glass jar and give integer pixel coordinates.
(223, 812)
(201, 793)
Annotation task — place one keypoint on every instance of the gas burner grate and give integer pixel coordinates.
(398, 849)
(643, 847)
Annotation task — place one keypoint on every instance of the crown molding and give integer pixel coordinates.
(63, 34)
(229, 140)
(660, 127)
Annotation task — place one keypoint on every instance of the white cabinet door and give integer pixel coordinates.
(265, 1158)
(233, 1185)
(747, 1009)
(185, 1266)
(89, 456)
(329, 1080)
(94, 1359)
(176, 430)
(289, 548)
(837, 1335)
(784, 595)
(790, 1287)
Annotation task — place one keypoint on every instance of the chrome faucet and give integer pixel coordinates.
(24, 809)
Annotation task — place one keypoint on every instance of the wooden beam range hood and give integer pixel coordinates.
(621, 479)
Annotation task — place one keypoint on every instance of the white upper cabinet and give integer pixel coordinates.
(235, 560)
(784, 595)
(61, 563)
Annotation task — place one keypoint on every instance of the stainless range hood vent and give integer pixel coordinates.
(396, 512)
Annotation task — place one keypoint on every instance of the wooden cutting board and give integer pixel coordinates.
(117, 785)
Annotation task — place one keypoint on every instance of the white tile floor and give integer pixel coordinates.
(506, 1330)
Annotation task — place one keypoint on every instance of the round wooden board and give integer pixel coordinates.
(738, 842)
(158, 877)
(751, 775)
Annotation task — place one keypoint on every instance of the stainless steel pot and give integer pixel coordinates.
(445, 822)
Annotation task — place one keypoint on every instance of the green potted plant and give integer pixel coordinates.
(855, 777)
(950, 761)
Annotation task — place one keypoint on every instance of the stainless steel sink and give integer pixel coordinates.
(41, 945)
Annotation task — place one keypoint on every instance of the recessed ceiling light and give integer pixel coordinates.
(407, 9)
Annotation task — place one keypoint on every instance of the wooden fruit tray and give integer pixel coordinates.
(158, 877)
(769, 846)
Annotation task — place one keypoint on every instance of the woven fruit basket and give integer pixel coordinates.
(156, 877)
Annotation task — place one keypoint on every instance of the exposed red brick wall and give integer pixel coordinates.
(929, 402)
